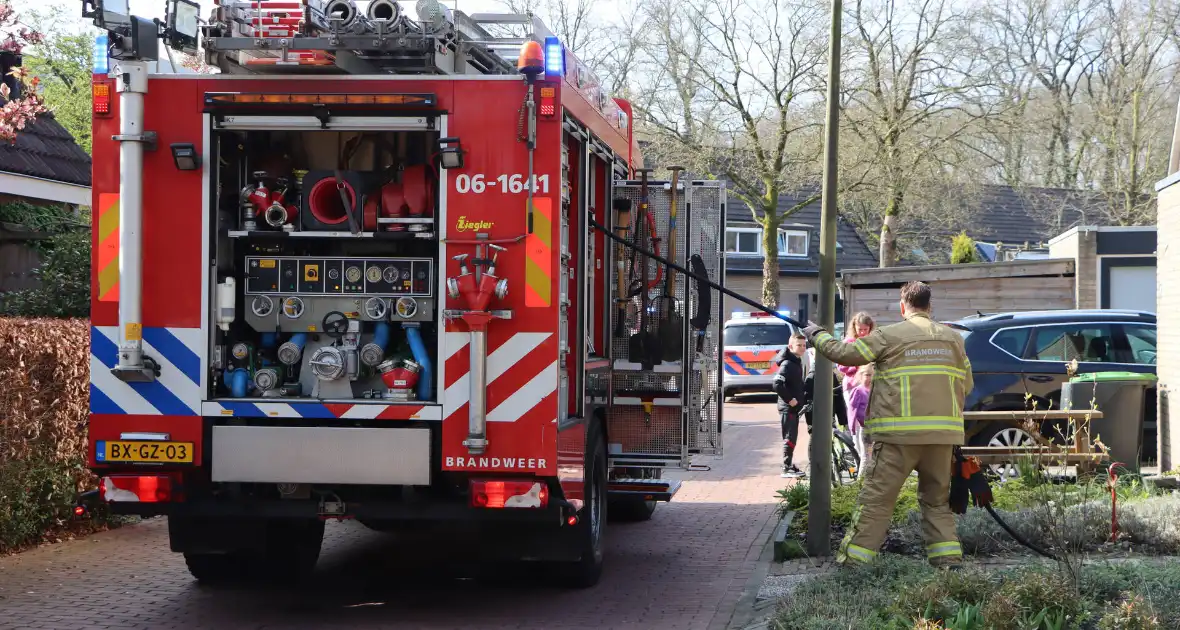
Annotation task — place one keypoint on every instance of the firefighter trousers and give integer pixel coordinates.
(886, 472)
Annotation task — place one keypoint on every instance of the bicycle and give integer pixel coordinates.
(845, 459)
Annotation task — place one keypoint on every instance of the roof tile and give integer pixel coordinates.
(44, 149)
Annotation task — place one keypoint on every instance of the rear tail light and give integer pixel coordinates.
(548, 105)
(137, 488)
(101, 92)
(509, 493)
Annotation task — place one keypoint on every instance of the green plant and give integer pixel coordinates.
(1132, 613)
(942, 596)
(1043, 619)
(963, 250)
(36, 495)
(1033, 599)
(64, 275)
(38, 218)
(969, 617)
(794, 497)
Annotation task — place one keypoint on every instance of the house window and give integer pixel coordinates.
(743, 241)
(748, 241)
(792, 243)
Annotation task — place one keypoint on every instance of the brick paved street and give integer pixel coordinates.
(686, 568)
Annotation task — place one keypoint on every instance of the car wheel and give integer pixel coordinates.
(1005, 436)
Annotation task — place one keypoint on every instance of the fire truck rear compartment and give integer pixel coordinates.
(327, 263)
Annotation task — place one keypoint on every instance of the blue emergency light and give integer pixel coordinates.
(554, 57)
(101, 61)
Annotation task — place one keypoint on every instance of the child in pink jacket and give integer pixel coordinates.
(857, 384)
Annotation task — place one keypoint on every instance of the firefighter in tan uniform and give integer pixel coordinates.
(915, 420)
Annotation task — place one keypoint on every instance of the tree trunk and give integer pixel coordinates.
(770, 291)
(888, 251)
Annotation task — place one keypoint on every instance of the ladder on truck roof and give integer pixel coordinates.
(340, 36)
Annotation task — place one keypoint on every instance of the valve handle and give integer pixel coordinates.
(335, 324)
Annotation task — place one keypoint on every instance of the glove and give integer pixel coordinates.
(811, 331)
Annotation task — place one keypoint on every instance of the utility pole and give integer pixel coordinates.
(819, 514)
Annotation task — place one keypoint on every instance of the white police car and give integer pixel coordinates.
(751, 341)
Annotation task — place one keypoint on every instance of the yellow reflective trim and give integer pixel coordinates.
(864, 350)
(954, 395)
(941, 370)
(823, 336)
(857, 552)
(944, 550)
(918, 423)
(906, 404)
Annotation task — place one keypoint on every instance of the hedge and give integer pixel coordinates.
(44, 403)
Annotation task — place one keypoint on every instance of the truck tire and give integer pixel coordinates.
(292, 549)
(215, 568)
(589, 533)
(631, 510)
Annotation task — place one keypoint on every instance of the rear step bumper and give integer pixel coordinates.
(646, 489)
(440, 512)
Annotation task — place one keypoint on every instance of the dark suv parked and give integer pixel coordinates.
(1019, 359)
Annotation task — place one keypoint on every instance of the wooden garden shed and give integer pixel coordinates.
(962, 290)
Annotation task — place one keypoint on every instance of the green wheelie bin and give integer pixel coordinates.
(1128, 406)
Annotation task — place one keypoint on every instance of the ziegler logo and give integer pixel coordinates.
(463, 225)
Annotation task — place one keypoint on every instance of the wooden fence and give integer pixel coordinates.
(18, 259)
(962, 290)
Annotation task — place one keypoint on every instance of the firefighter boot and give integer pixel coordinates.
(883, 477)
(934, 465)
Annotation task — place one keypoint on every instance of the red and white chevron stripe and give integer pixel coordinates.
(383, 412)
(522, 372)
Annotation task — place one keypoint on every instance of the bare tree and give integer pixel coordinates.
(609, 48)
(743, 82)
(916, 95)
(1131, 104)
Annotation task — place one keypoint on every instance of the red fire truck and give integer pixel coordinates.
(383, 268)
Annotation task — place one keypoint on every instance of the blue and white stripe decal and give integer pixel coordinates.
(177, 391)
(268, 410)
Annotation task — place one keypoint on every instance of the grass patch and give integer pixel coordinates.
(899, 593)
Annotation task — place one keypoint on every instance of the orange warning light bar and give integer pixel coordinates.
(238, 99)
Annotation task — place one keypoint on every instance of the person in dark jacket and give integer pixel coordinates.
(788, 384)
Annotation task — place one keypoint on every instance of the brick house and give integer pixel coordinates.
(1007, 224)
(1168, 309)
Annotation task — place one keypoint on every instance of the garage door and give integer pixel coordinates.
(1132, 288)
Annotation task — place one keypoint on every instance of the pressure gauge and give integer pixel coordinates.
(405, 274)
(241, 351)
(353, 274)
(406, 307)
(374, 274)
(333, 274)
(390, 274)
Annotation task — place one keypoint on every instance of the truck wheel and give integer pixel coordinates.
(214, 568)
(292, 549)
(632, 510)
(590, 531)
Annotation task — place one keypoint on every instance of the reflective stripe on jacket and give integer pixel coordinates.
(922, 378)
